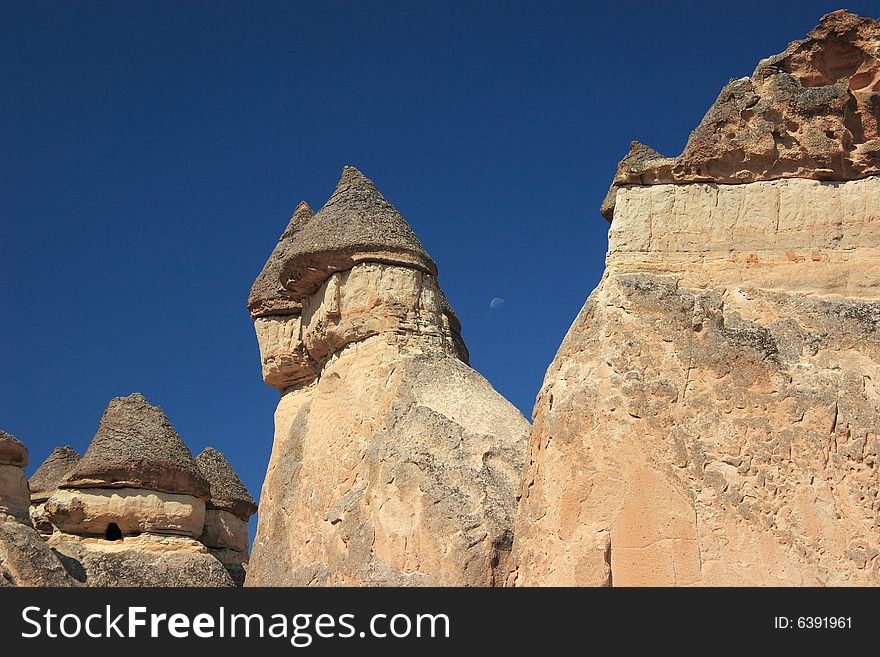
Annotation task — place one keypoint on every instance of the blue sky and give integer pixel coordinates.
(152, 153)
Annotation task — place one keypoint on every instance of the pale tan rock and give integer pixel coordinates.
(91, 511)
(14, 494)
(235, 562)
(394, 463)
(792, 235)
(147, 541)
(711, 417)
(284, 358)
(711, 411)
(223, 530)
(144, 560)
(26, 560)
(715, 436)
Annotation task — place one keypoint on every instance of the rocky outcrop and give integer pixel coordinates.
(25, 560)
(131, 510)
(14, 492)
(812, 111)
(711, 418)
(45, 481)
(136, 447)
(229, 507)
(147, 559)
(393, 461)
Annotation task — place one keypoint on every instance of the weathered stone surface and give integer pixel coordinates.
(51, 472)
(394, 463)
(45, 481)
(235, 562)
(268, 297)
(25, 560)
(228, 493)
(711, 418)
(145, 560)
(12, 452)
(702, 436)
(225, 531)
(794, 235)
(90, 511)
(357, 223)
(14, 494)
(284, 357)
(136, 447)
(810, 112)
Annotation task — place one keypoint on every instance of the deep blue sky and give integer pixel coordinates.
(151, 153)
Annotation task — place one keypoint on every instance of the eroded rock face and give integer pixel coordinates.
(25, 560)
(60, 462)
(711, 418)
(144, 560)
(225, 530)
(14, 494)
(130, 511)
(45, 480)
(12, 451)
(394, 463)
(91, 511)
(810, 112)
(136, 447)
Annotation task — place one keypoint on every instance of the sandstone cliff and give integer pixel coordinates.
(712, 416)
(394, 463)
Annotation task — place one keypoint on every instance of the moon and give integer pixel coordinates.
(496, 303)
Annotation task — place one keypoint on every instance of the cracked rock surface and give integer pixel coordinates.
(713, 414)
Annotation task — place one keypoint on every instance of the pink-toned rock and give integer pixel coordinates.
(810, 112)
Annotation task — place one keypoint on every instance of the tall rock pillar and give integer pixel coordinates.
(394, 463)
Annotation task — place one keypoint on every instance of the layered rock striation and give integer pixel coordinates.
(394, 463)
(45, 480)
(130, 512)
(227, 512)
(25, 560)
(711, 418)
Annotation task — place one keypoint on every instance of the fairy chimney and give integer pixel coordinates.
(393, 462)
(227, 512)
(45, 481)
(132, 508)
(25, 559)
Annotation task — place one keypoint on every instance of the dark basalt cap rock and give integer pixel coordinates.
(268, 296)
(12, 451)
(137, 447)
(228, 493)
(810, 112)
(356, 224)
(52, 471)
